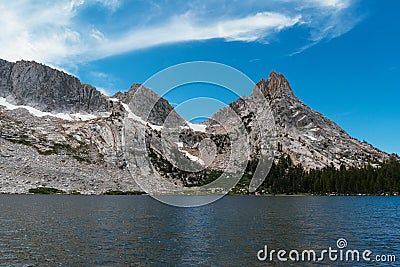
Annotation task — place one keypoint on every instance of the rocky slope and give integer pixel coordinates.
(57, 132)
(309, 138)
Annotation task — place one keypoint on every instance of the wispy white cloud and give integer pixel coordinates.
(110, 4)
(57, 32)
(331, 3)
(333, 19)
(97, 35)
(39, 33)
(181, 28)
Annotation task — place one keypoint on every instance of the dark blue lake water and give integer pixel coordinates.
(139, 231)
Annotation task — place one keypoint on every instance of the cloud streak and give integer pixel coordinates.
(181, 28)
(64, 32)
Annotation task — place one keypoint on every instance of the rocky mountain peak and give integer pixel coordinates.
(136, 86)
(275, 86)
(148, 105)
(128, 95)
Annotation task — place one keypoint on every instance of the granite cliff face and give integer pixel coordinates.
(36, 85)
(57, 132)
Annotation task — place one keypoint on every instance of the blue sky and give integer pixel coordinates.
(340, 56)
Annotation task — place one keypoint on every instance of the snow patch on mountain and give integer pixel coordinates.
(188, 155)
(38, 113)
(133, 116)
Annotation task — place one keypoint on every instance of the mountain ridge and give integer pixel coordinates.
(39, 86)
(54, 151)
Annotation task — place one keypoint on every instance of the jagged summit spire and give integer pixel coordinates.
(276, 85)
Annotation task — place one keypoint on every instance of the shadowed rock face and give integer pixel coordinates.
(5, 77)
(36, 85)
